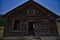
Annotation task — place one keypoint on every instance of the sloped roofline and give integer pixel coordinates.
(28, 2)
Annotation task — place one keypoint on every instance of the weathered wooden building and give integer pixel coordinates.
(30, 18)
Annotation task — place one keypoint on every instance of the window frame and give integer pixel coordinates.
(29, 11)
(14, 24)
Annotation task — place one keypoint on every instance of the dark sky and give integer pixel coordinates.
(7, 5)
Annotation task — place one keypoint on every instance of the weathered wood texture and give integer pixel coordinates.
(44, 21)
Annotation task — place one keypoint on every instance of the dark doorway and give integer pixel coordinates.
(16, 24)
(30, 28)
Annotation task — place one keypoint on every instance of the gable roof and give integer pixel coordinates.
(36, 4)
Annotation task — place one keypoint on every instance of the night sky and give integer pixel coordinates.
(7, 5)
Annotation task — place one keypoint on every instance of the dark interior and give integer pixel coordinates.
(30, 28)
(16, 24)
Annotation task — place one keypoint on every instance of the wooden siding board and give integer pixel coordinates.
(41, 17)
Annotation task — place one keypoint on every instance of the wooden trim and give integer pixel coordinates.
(13, 23)
(27, 11)
(27, 28)
(34, 12)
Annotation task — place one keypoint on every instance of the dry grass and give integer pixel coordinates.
(1, 32)
(1, 27)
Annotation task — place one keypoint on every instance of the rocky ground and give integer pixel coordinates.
(29, 38)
